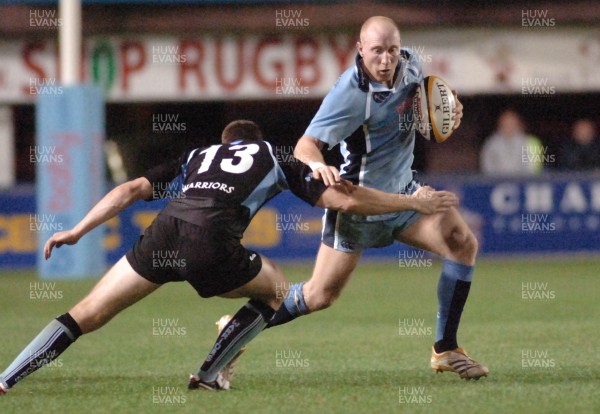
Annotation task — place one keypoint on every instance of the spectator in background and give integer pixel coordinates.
(582, 150)
(509, 151)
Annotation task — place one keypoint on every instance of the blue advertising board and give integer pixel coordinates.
(554, 213)
(546, 215)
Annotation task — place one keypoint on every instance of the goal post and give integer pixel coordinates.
(70, 178)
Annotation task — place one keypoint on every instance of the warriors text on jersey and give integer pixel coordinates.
(231, 182)
(196, 237)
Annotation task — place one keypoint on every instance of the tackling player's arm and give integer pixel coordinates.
(112, 204)
(308, 150)
(117, 200)
(367, 201)
(360, 200)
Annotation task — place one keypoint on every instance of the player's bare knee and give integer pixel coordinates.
(321, 300)
(464, 246)
(90, 319)
(473, 244)
(469, 245)
(316, 304)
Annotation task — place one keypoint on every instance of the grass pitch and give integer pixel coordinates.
(534, 323)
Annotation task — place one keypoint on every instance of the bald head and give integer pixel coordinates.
(379, 46)
(378, 25)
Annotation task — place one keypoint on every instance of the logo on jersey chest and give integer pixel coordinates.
(404, 107)
(380, 97)
(209, 185)
(407, 117)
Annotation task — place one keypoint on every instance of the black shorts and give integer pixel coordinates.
(174, 250)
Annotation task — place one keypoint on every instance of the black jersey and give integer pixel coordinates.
(223, 186)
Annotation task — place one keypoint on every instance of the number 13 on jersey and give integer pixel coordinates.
(240, 161)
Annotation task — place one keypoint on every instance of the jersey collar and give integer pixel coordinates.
(363, 77)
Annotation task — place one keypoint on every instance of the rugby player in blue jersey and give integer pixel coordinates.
(374, 96)
(223, 186)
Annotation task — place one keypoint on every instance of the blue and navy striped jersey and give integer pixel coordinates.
(381, 156)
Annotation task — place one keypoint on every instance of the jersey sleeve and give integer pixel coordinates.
(300, 181)
(163, 177)
(341, 113)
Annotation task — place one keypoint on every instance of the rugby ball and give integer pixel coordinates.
(433, 107)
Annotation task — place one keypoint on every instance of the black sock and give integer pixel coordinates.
(459, 297)
(281, 316)
(293, 306)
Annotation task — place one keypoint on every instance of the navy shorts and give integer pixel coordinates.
(174, 250)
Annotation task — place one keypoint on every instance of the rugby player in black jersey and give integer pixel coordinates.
(223, 186)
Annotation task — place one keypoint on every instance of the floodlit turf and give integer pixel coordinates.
(353, 358)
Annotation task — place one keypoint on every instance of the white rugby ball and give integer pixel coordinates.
(433, 107)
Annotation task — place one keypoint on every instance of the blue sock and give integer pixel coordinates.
(453, 290)
(293, 306)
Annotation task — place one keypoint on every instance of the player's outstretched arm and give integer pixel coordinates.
(112, 204)
(367, 201)
(308, 150)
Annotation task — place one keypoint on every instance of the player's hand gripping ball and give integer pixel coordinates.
(433, 106)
